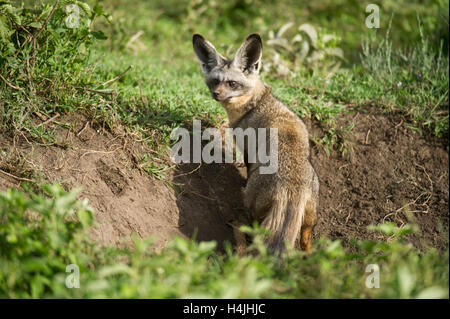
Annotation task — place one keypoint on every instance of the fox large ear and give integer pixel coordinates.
(206, 53)
(248, 56)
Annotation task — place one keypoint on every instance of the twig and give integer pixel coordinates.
(134, 38)
(46, 22)
(410, 203)
(16, 177)
(198, 194)
(397, 126)
(25, 29)
(144, 103)
(83, 128)
(428, 176)
(400, 123)
(94, 65)
(384, 218)
(41, 116)
(50, 119)
(96, 91)
(189, 173)
(34, 38)
(10, 85)
(347, 218)
(30, 80)
(367, 137)
(116, 78)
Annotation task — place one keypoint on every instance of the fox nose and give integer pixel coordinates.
(215, 95)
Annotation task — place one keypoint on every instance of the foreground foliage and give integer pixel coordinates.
(40, 235)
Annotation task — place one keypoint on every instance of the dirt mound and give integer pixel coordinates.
(391, 170)
(126, 200)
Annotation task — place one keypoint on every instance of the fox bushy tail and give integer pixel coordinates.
(284, 220)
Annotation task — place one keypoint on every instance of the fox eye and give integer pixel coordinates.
(232, 84)
(215, 82)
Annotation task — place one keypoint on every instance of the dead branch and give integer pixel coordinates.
(109, 82)
(16, 177)
(10, 85)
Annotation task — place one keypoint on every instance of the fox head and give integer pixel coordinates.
(230, 80)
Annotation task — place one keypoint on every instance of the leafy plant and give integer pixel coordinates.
(40, 235)
(307, 48)
(42, 51)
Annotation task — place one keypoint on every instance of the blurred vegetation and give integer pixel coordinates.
(40, 237)
(303, 48)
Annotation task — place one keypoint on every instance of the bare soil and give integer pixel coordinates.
(391, 170)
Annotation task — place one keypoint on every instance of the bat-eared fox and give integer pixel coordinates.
(286, 201)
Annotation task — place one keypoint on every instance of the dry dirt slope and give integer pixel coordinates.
(391, 169)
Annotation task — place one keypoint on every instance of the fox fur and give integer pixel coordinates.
(285, 202)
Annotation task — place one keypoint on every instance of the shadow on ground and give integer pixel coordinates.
(209, 200)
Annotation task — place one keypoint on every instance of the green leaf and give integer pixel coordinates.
(10, 11)
(36, 25)
(84, 6)
(335, 249)
(114, 270)
(181, 245)
(207, 246)
(85, 217)
(310, 32)
(388, 229)
(283, 29)
(99, 35)
(98, 9)
(406, 281)
(434, 292)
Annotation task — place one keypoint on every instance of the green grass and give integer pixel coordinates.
(400, 69)
(40, 235)
(164, 87)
